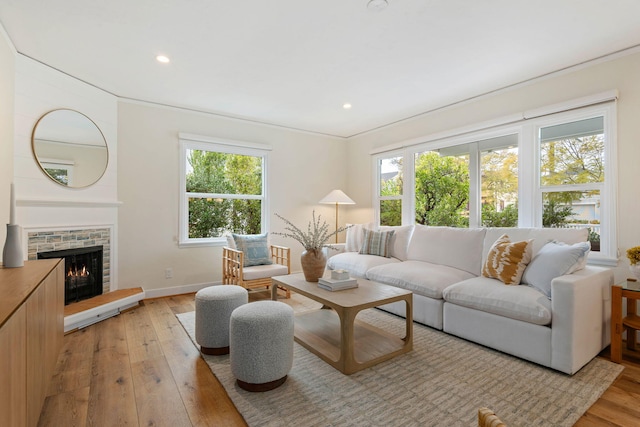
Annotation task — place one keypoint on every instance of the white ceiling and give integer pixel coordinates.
(294, 63)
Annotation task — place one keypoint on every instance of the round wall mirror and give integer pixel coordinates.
(70, 148)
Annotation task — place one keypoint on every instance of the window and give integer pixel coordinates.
(390, 190)
(550, 170)
(222, 191)
(572, 174)
(499, 181)
(469, 184)
(442, 187)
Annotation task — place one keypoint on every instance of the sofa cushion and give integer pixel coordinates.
(255, 248)
(554, 260)
(357, 264)
(376, 243)
(459, 248)
(400, 240)
(490, 295)
(421, 278)
(507, 260)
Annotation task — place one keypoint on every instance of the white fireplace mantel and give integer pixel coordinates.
(52, 203)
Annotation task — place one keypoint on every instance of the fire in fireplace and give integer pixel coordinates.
(83, 272)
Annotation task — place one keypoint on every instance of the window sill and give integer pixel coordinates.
(602, 261)
(201, 243)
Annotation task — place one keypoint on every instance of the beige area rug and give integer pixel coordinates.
(442, 382)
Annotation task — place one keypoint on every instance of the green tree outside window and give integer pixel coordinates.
(220, 186)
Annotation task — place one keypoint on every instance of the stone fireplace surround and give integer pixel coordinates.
(71, 238)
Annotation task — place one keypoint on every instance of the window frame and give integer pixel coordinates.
(195, 142)
(527, 127)
(608, 254)
(377, 179)
(472, 139)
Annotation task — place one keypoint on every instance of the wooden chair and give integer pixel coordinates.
(487, 418)
(257, 276)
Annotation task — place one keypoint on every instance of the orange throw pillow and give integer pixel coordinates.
(506, 261)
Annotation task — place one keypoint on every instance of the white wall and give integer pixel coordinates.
(622, 73)
(43, 204)
(303, 168)
(38, 90)
(7, 72)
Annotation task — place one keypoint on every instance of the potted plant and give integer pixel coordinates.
(313, 240)
(633, 254)
(594, 239)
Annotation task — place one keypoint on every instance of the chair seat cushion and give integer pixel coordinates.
(263, 271)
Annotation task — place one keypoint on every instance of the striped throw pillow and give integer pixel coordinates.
(376, 243)
(506, 261)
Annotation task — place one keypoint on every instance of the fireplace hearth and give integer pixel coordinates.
(83, 272)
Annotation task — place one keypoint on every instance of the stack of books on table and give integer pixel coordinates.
(337, 284)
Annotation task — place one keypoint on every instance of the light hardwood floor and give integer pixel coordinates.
(141, 369)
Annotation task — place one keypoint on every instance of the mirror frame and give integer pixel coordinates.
(39, 162)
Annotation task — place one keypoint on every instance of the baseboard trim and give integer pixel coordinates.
(178, 290)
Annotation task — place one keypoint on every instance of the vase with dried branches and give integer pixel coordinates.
(313, 239)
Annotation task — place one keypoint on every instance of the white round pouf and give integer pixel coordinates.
(261, 344)
(214, 306)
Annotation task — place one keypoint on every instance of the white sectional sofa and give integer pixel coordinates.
(443, 266)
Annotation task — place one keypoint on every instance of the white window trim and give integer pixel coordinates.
(608, 254)
(474, 166)
(515, 118)
(196, 142)
(525, 125)
(376, 188)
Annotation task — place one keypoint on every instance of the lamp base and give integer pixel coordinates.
(12, 253)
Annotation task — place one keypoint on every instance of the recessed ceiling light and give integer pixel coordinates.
(377, 5)
(163, 59)
(346, 106)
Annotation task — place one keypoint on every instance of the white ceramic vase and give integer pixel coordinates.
(635, 270)
(12, 252)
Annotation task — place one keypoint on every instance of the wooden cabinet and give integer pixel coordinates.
(13, 351)
(31, 333)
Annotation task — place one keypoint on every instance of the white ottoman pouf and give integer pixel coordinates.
(261, 344)
(214, 306)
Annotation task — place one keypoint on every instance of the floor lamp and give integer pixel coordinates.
(339, 198)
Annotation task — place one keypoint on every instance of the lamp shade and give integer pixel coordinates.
(337, 197)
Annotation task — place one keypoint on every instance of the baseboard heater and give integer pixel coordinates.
(98, 314)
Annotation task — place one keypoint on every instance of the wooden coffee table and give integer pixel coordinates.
(335, 335)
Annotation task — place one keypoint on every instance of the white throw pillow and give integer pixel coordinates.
(555, 259)
(582, 261)
(231, 243)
